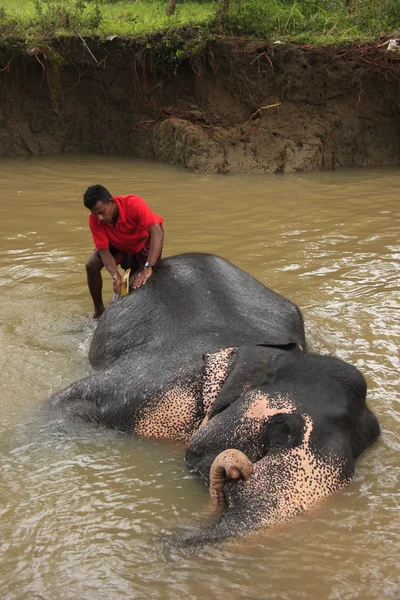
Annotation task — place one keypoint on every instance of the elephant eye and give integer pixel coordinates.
(285, 431)
(281, 434)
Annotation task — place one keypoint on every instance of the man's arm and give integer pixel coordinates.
(156, 244)
(112, 268)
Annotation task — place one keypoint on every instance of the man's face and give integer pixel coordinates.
(105, 211)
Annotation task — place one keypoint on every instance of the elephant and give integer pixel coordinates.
(206, 355)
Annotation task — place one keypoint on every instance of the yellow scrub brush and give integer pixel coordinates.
(124, 289)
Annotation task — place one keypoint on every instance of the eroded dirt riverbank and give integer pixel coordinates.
(238, 107)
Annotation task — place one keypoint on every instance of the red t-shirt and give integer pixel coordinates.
(132, 229)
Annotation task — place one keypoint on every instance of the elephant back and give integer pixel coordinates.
(194, 301)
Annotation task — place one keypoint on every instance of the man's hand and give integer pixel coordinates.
(117, 281)
(142, 277)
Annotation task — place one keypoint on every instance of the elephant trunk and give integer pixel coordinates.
(230, 464)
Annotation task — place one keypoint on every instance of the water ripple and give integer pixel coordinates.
(88, 513)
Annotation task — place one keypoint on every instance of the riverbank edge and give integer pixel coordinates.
(209, 104)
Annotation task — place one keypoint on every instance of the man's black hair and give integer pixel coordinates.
(93, 194)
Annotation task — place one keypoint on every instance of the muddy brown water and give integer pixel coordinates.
(91, 513)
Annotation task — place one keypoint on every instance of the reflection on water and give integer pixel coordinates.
(92, 512)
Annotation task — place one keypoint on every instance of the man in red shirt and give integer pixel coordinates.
(125, 231)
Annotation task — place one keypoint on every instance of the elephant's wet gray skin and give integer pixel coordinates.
(207, 355)
(280, 437)
(148, 347)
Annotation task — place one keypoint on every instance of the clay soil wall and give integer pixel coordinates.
(239, 107)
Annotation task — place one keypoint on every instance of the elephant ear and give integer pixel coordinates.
(216, 369)
(228, 372)
(246, 366)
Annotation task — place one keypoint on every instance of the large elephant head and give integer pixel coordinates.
(282, 433)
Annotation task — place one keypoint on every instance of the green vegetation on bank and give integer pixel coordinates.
(315, 21)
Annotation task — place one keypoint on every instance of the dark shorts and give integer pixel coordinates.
(134, 262)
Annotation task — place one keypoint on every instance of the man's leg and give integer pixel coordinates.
(95, 282)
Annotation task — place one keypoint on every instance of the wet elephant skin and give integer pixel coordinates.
(148, 347)
(207, 355)
(301, 419)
